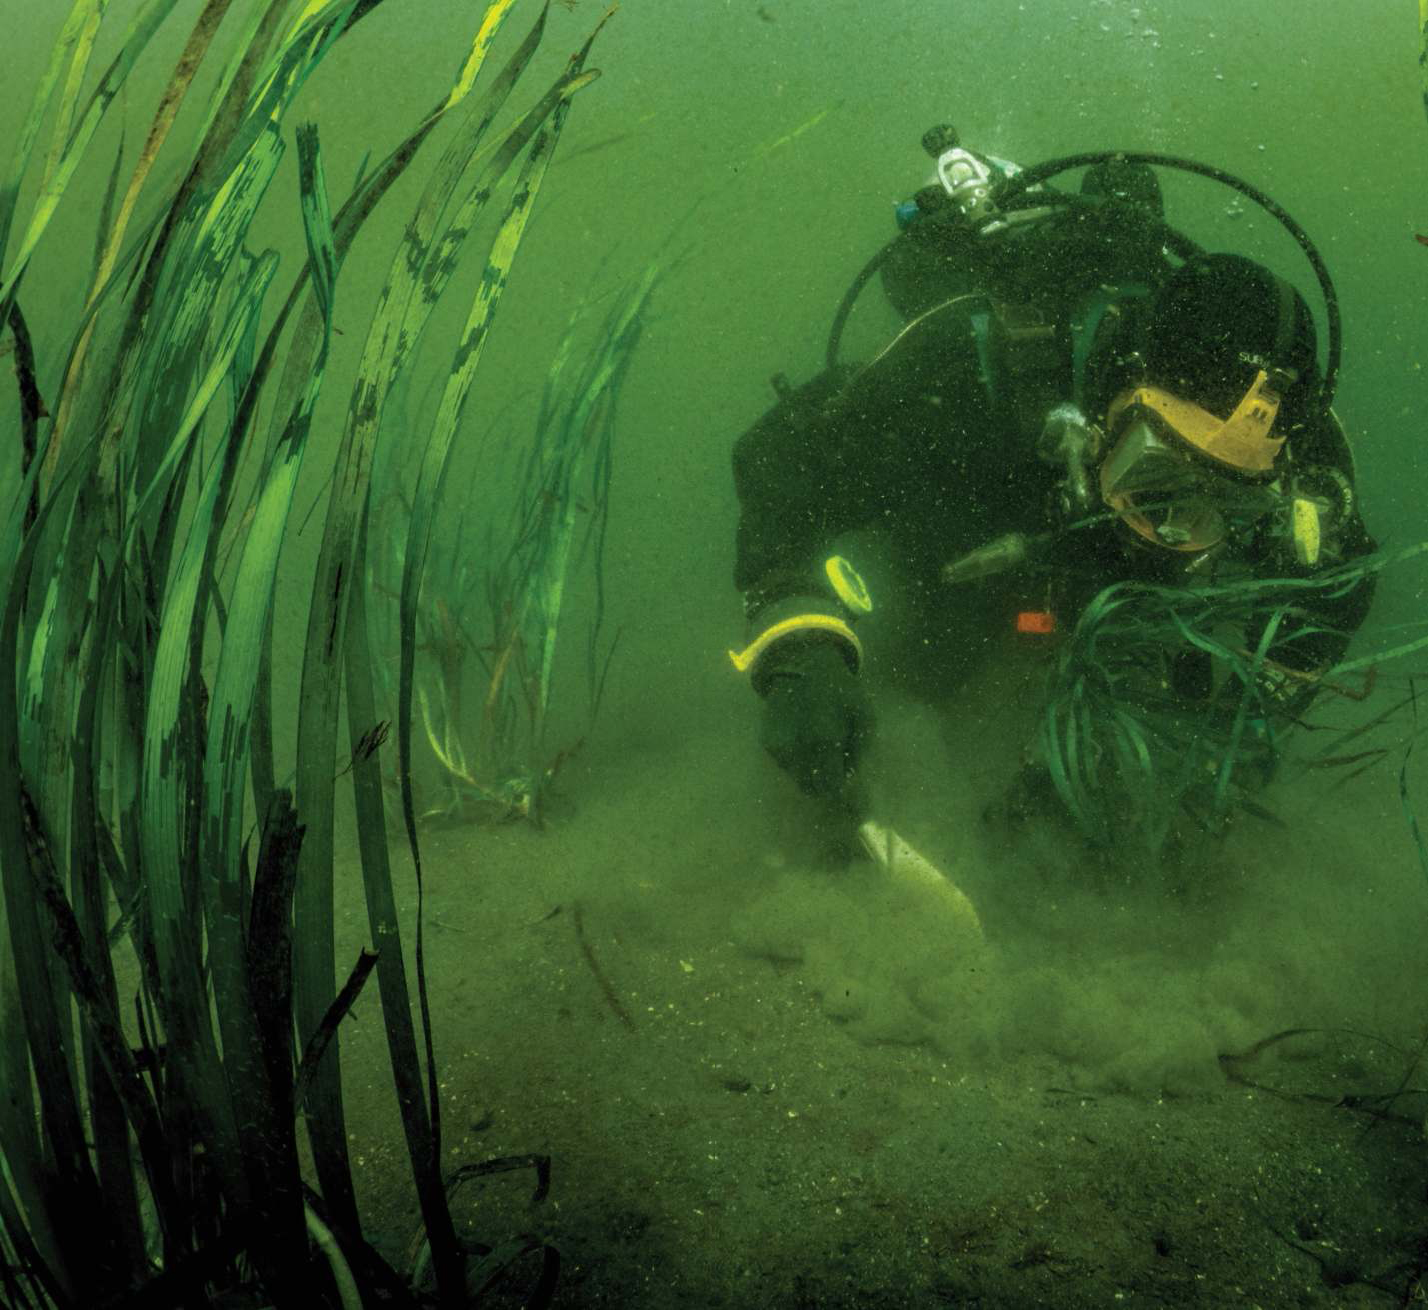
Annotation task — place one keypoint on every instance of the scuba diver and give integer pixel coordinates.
(1080, 396)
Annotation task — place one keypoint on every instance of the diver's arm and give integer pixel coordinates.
(796, 494)
(854, 445)
(1311, 639)
(804, 474)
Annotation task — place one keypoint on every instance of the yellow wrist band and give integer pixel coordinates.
(745, 659)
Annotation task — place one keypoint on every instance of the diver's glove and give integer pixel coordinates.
(1256, 721)
(816, 715)
(1284, 692)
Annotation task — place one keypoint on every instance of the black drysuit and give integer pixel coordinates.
(933, 444)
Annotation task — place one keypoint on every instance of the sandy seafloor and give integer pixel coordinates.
(811, 1101)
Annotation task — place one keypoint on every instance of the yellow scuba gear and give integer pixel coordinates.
(1241, 443)
(1321, 502)
(1307, 530)
(1180, 477)
(851, 593)
(848, 585)
(744, 660)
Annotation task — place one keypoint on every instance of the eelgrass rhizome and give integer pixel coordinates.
(170, 996)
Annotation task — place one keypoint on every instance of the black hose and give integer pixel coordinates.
(1178, 242)
(850, 298)
(1013, 194)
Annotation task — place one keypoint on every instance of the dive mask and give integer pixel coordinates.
(1184, 479)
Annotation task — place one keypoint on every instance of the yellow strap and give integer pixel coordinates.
(745, 659)
(847, 585)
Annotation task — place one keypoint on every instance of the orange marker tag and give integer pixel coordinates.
(1041, 622)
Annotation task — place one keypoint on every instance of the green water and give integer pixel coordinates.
(800, 1096)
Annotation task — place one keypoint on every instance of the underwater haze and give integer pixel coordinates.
(762, 1083)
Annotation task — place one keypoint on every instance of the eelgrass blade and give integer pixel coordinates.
(596, 669)
(1404, 799)
(328, 624)
(54, 1178)
(70, 92)
(369, 190)
(270, 944)
(318, 1043)
(491, 22)
(88, 855)
(190, 333)
(435, 275)
(419, 1111)
(57, 179)
(263, 1108)
(230, 144)
(50, 675)
(278, 82)
(22, 1165)
(75, 40)
(104, 226)
(592, 408)
(225, 113)
(241, 659)
(412, 301)
(183, 313)
(1103, 672)
(267, 935)
(200, 38)
(207, 243)
(172, 763)
(1423, 51)
(574, 427)
(24, 1257)
(31, 406)
(100, 1016)
(112, 232)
